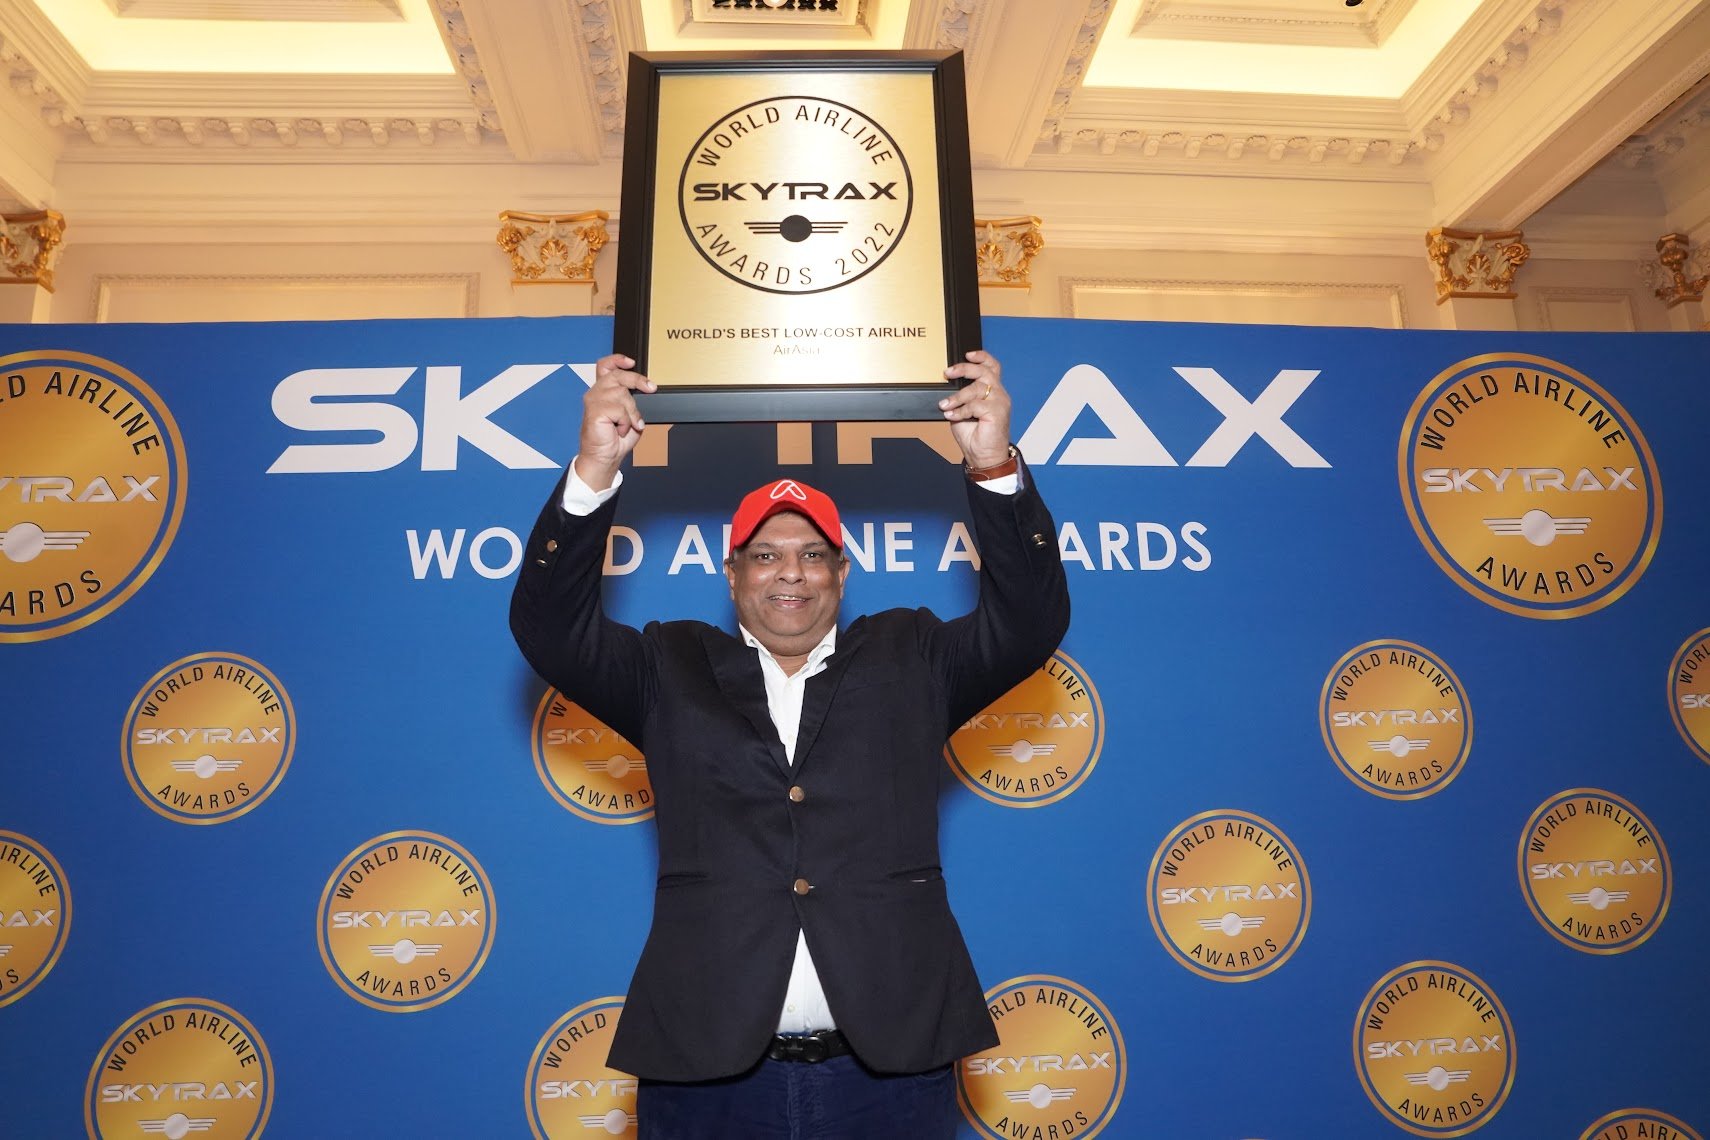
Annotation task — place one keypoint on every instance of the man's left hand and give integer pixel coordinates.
(979, 411)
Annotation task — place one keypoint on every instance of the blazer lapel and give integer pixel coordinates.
(816, 699)
(736, 668)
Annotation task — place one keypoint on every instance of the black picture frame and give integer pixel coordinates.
(886, 398)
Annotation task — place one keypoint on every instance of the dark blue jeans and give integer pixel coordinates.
(837, 1099)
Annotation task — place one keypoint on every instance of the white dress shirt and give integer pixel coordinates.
(805, 1010)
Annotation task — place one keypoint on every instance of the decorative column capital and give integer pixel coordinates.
(552, 249)
(1680, 278)
(1469, 263)
(29, 246)
(1004, 248)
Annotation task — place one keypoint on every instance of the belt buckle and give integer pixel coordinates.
(809, 1048)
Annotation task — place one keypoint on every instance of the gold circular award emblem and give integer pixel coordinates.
(35, 914)
(588, 767)
(795, 194)
(1434, 1049)
(92, 481)
(1639, 1124)
(1530, 486)
(208, 738)
(570, 1091)
(1395, 719)
(1036, 743)
(184, 1066)
(1058, 1068)
(1594, 871)
(1228, 896)
(406, 921)
(1689, 693)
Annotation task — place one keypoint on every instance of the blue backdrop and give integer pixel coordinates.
(412, 711)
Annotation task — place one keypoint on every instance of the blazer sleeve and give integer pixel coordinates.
(1023, 607)
(561, 626)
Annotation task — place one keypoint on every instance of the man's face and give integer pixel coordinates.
(787, 584)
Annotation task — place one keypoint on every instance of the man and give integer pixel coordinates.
(803, 977)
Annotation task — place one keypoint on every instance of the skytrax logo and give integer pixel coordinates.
(430, 420)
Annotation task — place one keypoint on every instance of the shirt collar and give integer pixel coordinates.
(826, 647)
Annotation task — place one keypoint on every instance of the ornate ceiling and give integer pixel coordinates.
(1325, 125)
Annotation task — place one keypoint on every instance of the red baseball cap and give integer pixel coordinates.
(762, 503)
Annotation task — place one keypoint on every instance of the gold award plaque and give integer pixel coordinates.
(802, 248)
(785, 239)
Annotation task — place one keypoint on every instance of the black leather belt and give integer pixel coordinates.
(811, 1048)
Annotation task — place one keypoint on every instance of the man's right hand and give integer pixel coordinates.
(611, 423)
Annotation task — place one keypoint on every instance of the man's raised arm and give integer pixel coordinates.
(556, 615)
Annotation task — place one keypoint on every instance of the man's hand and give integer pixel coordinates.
(611, 423)
(979, 412)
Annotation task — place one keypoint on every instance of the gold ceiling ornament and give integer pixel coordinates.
(29, 246)
(1679, 278)
(1469, 263)
(552, 249)
(1005, 249)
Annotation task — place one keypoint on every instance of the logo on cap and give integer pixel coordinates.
(788, 487)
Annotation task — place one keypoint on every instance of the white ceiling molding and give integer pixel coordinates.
(1278, 21)
(1476, 64)
(1074, 69)
(1123, 127)
(605, 48)
(1671, 132)
(1608, 71)
(1126, 130)
(454, 30)
(318, 11)
(168, 111)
